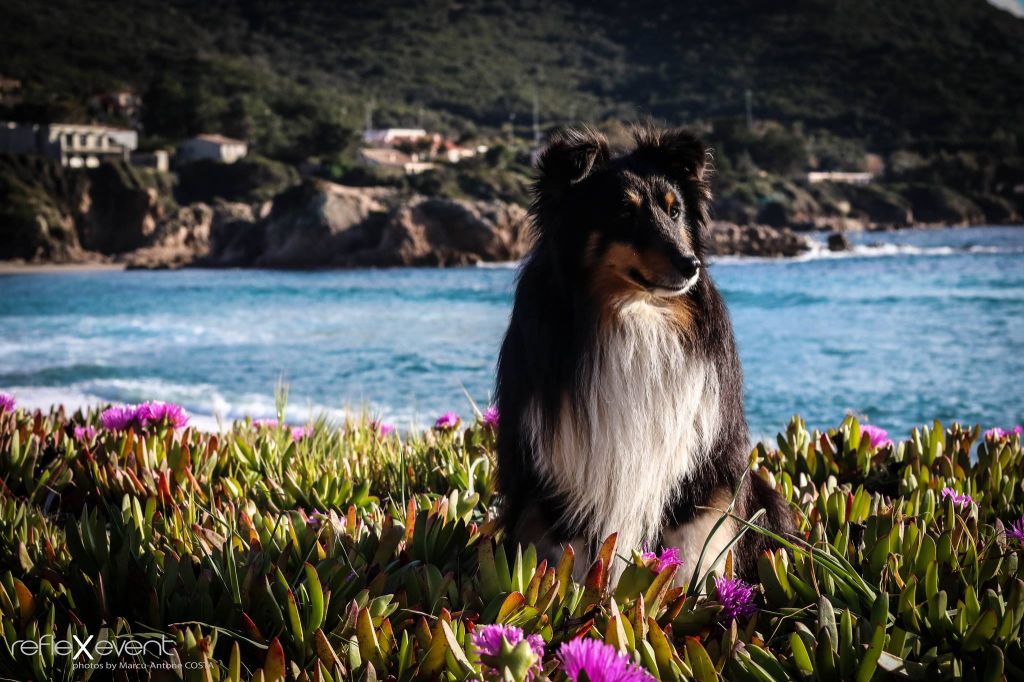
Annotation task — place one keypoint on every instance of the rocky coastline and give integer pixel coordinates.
(136, 218)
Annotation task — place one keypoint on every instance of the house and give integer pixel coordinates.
(848, 177)
(454, 152)
(215, 147)
(74, 145)
(393, 136)
(393, 159)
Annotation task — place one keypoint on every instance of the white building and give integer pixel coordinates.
(215, 147)
(849, 177)
(74, 145)
(393, 136)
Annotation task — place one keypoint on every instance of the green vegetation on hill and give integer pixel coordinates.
(349, 552)
(287, 76)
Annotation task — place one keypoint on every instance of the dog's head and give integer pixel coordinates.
(632, 224)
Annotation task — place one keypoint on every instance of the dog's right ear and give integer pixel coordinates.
(571, 156)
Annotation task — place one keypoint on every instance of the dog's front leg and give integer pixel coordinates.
(690, 536)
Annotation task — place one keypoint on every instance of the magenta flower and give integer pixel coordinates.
(488, 639)
(448, 421)
(85, 433)
(300, 432)
(669, 556)
(315, 520)
(876, 435)
(490, 416)
(735, 596)
(167, 414)
(600, 662)
(997, 433)
(1016, 531)
(120, 417)
(959, 499)
(6, 403)
(381, 428)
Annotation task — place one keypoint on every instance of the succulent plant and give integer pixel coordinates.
(352, 553)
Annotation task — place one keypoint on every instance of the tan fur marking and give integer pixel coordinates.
(633, 198)
(670, 200)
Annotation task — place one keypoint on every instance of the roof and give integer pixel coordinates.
(218, 139)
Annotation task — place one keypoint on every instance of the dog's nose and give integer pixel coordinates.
(686, 265)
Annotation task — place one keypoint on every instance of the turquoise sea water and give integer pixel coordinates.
(910, 327)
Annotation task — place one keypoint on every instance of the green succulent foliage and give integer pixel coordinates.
(351, 555)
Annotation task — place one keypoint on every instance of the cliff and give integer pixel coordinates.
(117, 213)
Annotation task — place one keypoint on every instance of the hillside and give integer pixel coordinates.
(294, 77)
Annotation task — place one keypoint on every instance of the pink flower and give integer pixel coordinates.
(84, 433)
(383, 429)
(876, 435)
(449, 421)
(300, 432)
(959, 499)
(264, 423)
(490, 416)
(1016, 531)
(6, 403)
(169, 414)
(599, 662)
(487, 640)
(669, 557)
(997, 433)
(735, 596)
(120, 417)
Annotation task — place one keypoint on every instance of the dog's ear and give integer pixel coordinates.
(677, 152)
(571, 156)
(683, 158)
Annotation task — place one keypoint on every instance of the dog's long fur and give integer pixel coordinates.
(619, 385)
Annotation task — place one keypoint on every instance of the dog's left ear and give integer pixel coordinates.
(677, 152)
(683, 158)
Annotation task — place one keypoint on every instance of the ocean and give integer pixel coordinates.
(909, 327)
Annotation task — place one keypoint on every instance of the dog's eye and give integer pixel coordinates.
(674, 212)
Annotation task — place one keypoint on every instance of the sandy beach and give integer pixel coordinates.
(14, 268)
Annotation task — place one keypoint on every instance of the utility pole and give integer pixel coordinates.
(748, 96)
(369, 114)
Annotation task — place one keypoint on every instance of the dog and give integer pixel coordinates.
(618, 382)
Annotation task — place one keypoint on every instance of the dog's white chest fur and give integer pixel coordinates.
(649, 419)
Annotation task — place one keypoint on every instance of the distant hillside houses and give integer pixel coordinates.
(412, 150)
(74, 145)
(214, 147)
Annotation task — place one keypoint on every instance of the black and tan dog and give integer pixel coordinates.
(619, 385)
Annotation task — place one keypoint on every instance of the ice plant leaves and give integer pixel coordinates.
(354, 554)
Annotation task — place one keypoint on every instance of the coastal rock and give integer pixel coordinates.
(837, 241)
(442, 232)
(315, 223)
(321, 224)
(730, 239)
(125, 206)
(941, 205)
(40, 205)
(176, 240)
